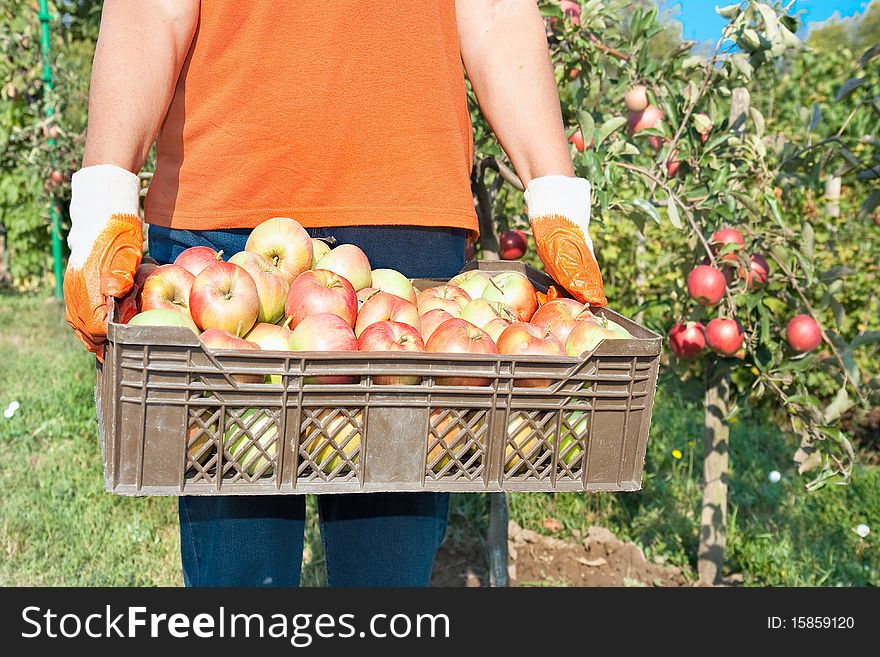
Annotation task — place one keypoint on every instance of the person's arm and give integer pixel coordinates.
(141, 48)
(504, 50)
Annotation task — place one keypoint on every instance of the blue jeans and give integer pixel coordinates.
(370, 539)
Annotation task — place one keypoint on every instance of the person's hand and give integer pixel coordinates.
(106, 245)
(559, 211)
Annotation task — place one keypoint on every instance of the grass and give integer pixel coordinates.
(59, 527)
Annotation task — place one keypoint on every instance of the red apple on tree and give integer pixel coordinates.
(168, 286)
(472, 281)
(392, 336)
(393, 282)
(514, 292)
(324, 332)
(456, 336)
(521, 339)
(576, 138)
(723, 237)
(687, 340)
(560, 316)
(803, 333)
(706, 285)
(650, 118)
(431, 320)
(271, 284)
(284, 243)
(320, 291)
(571, 10)
(196, 258)
(445, 297)
(351, 263)
(513, 244)
(386, 307)
(636, 99)
(224, 296)
(724, 336)
(758, 272)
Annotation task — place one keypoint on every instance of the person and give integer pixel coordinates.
(351, 118)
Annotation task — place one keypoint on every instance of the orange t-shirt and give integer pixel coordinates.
(335, 114)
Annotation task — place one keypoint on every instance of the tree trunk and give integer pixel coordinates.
(713, 520)
(738, 117)
(832, 196)
(496, 542)
(484, 203)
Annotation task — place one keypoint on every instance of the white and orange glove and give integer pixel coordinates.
(106, 245)
(559, 211)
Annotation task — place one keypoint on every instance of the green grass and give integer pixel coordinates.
(59, 527)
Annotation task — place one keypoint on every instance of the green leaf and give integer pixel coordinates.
(835, 273)
(587, 124)
(840, 405)
(839, 313)
(730, 11)
(672, 213)
(868, 337)
(870, 203)
(809, 239)
(815, 118)
(848, 87)
(804, 400)
(611, 125)
(647, 208)
(846, 355)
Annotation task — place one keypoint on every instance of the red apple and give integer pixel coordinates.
(196, 258)
(324, 332)
(270, 337)
(130, 305)
(164, 317)
(218, 339)
(514, 292)
(725, 236)
(586, 336)
(392, 336)
(168, 286)
(456, 336)
(284, 243)
(636, 99)
(472, 281)
(320, 291)
(513, 244)
(803, 333)
(724, 336)
(224, 296)
(645, 120)
(706, 285)
(703, 124)
(758, 273)
(431, 320)
(386, 307)
(271, 284)
(56, 176)
(320, 248)
(576, 138)
(560, 316)
(726, 268)
(687, 340)
(363, 295)
(393, 282)
(572, 10)
(350, 262)
(446, 297)
(673, 164)
(521, 339)
(480, 312)
(496, 327)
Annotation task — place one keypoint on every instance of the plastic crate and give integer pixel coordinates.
(176, 419)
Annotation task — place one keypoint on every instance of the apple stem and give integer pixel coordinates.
(287, 321)
(219, 255)
(238, 330)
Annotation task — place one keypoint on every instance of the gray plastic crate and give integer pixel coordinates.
(176, 419)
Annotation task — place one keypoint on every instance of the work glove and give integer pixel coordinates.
(559, 211)
(106, 244)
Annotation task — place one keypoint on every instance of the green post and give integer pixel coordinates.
(49, 110)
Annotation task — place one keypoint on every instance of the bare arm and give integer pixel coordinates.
(504, 49)
(141, 48)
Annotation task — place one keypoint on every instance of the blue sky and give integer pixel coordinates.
(701, 23)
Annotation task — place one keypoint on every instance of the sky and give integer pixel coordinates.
(701, 23)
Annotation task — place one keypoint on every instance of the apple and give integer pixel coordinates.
(723, 237)
(431, 320)
(383, 306)
(447, 436)
(724, 336)
(513, 244)
(574, 431)
(649, 118)
(350, 262)
(636, 99)
(522, 339)
(703, 124)
(345, 432)
(284, 243)
(218, 339)
(168, 286)
(363, 295)
(446, 297)
(673, 164)
(480, 312)
(200, 447)
(472, 281)
(456, 336)
(523, 440)
(706, 285)
(270, 337)
(576, 138)
(271, 284)
(196, 258)
(687, 341)
(572, 10)
(224, 296)
(496, 327)
(320, 291)
(320, 248)
(513, 291)
(56, 176)
(392, 336)
(130, 305)
(256, 455)
(614, 327)
(726, 268)
(560, 316)
(586, 336)
(574, 73)
(324, 332)
(393, 282)
(803, 333)
(163, 317)
(758, 272)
